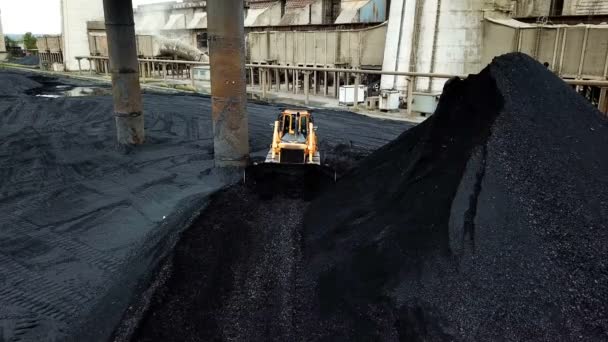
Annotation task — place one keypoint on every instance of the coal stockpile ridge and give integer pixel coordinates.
(487, 221)
(27, 60)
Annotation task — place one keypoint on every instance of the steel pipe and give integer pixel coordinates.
(128, 108)
(228, 83)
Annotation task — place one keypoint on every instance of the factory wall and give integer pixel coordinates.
(75, 14)
(579, 51)
(268, 16)
(533, 8)
(351, 48)
(585, 7)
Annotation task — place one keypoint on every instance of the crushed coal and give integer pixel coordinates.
(83, 224)
(30, 60)
(489, 221)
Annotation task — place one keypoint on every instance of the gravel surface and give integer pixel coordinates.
(83, 224)
(486, 222)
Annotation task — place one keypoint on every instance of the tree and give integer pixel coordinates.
(9, 42)
(29, 41)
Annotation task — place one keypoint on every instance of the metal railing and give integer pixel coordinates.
(149, 67)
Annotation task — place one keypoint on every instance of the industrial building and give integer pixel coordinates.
(317, 170)
(422, 36)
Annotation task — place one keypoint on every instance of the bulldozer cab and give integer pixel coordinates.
(294, 122)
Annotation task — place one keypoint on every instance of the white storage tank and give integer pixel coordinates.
(74, 17)
(438, 36)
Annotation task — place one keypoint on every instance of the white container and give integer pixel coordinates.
(202, 73)
(58, 67)
(347, 94)
(425, 102)
(389, 100)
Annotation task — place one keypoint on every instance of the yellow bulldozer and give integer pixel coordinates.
(293, 163)
(294, 140)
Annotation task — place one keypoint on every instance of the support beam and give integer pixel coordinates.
(228, 83)
(128, 108)
(306, 86)
(356, 94)
(603, 103)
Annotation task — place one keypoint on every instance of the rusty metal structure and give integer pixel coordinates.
(228, 83)
(124, 66)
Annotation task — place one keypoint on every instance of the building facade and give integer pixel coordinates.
(74, 17)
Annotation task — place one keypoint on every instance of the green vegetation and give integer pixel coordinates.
(9, 42)
(29, 41)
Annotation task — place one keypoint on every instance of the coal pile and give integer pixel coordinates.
(30, 60)
(486, 222)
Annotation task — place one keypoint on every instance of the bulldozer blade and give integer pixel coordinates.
(291, 180)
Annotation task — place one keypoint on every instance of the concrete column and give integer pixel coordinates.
(306, 85)
(286, 80)
(79, 67)
(263, 84)
(191, 68)
(251, 76)
(260, 77)
(228, 84)
(603, 103)
(410, 95)
(128, 107)
(336, 84)
(277, 77)
(356, 97)
(325, 83)
(297, 82)
(315, 82)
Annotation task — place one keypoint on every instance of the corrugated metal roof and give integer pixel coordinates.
(199, 21)
(176, 22)
(350, 11)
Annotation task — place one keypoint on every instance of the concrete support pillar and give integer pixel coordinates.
(316, 82)
(356, 94)
(79, 67)
(191, 68)
(325, 83)
(336, 84)
(296, 76)
(286, 80)
(306, 86)
(228, 84)
(260, 77)
(263, 84)
(277, 77)
(410, 94)
(251, 76)
(128, 107)
(603, 103)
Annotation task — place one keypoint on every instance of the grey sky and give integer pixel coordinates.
(38, 16)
